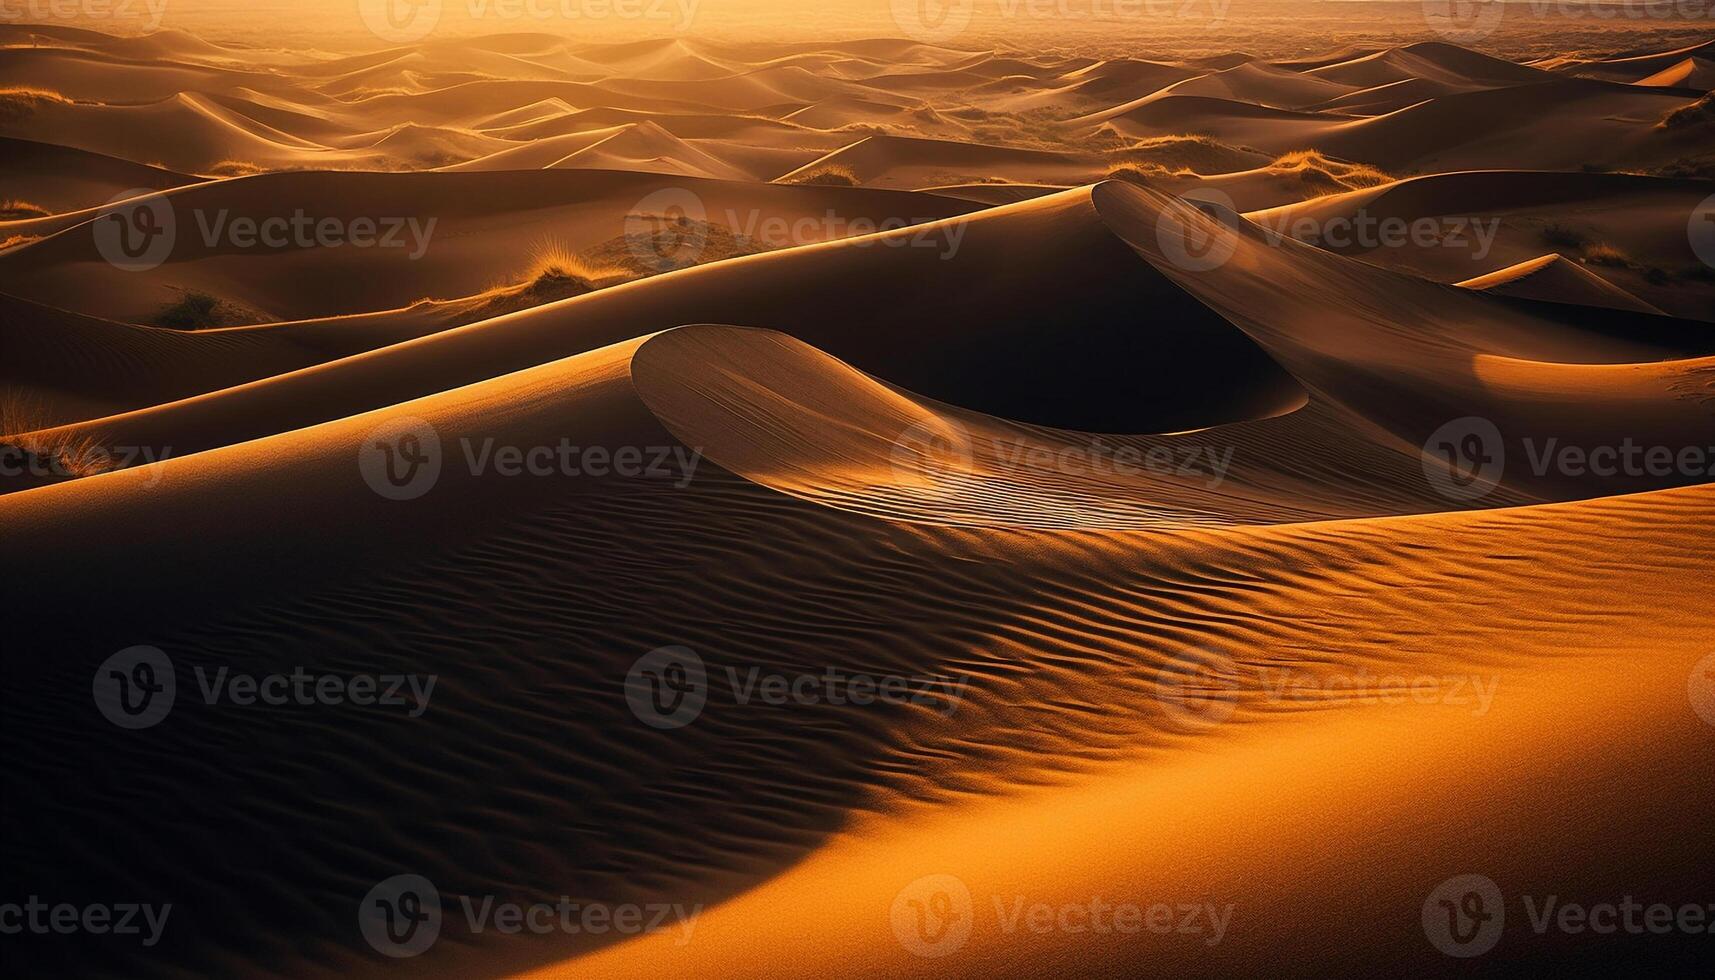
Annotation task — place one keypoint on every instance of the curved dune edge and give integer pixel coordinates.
(1377, 353)
(1067, 687)
(1020, 352)
(1555, 279)
(792, 418)
(1241, 824)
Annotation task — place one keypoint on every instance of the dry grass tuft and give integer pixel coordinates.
(1185, 154)
(1324, 175)
(12, 209)
(827, 175)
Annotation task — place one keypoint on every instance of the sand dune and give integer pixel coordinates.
(55, 179)
(1632, 227)
(489, 228)
(1557, 279)
(1211, 443)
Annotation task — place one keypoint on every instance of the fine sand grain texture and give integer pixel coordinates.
(818, 495)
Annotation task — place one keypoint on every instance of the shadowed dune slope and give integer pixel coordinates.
(1109, 612)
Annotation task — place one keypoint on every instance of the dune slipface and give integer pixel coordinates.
(548, 503)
